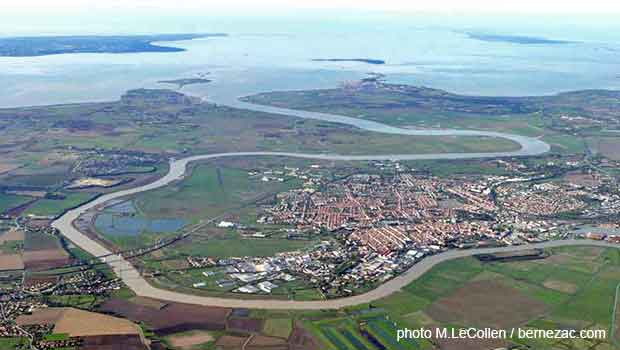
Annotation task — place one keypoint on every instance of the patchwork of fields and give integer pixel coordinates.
(574, 288)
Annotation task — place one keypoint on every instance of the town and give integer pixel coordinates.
(373, 226)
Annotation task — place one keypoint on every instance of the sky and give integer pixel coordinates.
(257, 7)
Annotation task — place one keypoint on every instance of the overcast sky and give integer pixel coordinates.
(249, 7)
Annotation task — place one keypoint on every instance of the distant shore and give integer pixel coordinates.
(361, 60)
(57, 45)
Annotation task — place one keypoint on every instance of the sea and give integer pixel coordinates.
(277, 53)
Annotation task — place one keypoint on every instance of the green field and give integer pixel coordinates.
(278, 327)
(86, 302)
(55, 207)
(207, 193)
(9, 201)
(370, 331)
(12, 343)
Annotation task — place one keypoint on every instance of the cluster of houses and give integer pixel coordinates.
(380, 225)
(541, 199)
(10, 310)
(104, 162)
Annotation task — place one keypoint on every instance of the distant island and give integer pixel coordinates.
(56, 45)
(516, 39)
(362, 60)
(185, 81)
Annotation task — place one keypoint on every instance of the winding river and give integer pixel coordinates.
(132, 278)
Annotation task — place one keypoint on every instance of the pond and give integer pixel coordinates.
(124, 220)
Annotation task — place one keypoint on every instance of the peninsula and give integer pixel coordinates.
(56, 45)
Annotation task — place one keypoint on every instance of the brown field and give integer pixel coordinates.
(41, 316)
(230, 342)
(173, 318)
(11, 235)
(471, 303)
(561, 286)
(43, 251)
(10, 262)
(187, 341)
(113, 342)
(80, 323)
(248, 325)
(45, 259)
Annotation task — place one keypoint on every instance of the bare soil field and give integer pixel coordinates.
(470, 305)
(173, 318)
(79, 323)
(42, 251)
(12, 235)
(113, 342)
(41, 316)
(187, 341)
(10, 262)
(45, 259)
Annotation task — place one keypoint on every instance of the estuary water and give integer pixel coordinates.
(277, 54)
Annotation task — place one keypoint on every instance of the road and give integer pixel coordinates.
(132, 278)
